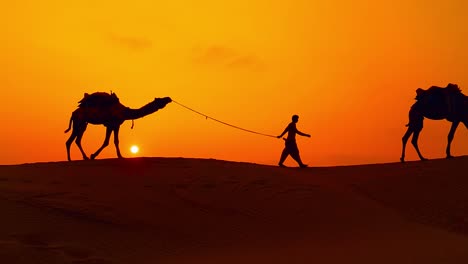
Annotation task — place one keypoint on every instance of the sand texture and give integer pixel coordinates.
(177, 210)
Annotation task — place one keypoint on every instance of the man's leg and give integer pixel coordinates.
(297, 158)
(283, 157)
(295, 155)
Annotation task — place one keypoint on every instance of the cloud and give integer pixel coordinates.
(223, 56)
(243, 62)
(132, 43)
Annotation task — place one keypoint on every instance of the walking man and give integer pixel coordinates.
(290, 143)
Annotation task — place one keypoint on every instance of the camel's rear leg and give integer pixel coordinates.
(77, 133)
(79, 136)
(105, 144)
(69, 142)
(450, 136)
(414, 141)
(415, 126)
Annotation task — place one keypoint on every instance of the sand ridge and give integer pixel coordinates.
(178, 210)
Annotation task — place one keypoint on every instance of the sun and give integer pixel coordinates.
(134, 149)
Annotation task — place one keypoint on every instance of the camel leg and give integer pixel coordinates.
(105, 144)
(77, 132)
(414, 141)
(450, 136)
(415, 125)
(116, 141)
(69, 142)
(405, 138)
(78, 140)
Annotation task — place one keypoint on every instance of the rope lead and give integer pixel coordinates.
(224, 123)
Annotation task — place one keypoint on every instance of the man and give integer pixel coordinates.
(290, 143)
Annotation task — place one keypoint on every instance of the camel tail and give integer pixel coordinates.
(69, 124)
(407, 125)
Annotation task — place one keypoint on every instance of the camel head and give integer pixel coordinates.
(162, 101)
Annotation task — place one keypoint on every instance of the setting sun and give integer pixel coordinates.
(134, 149)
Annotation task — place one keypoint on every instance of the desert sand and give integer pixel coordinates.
(180, 210)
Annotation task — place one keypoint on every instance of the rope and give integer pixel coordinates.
(224, 123)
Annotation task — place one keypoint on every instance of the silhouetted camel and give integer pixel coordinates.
(105, 109)
(436, 103)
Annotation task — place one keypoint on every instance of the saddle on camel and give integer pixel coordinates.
(99, 99)
(444, 97)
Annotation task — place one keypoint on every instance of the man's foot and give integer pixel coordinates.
(281, 165)
(303, 166)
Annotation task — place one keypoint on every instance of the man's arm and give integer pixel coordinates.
(302, 134)
(284, 132)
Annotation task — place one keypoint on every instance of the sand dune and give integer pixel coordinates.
(176, 210)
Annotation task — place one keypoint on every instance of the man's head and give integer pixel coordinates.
(295, 118)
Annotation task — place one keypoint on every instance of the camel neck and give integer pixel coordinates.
(150, 108)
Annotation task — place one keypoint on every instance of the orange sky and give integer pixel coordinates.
(348, 68)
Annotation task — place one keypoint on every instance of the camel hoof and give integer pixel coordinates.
(450, 157)
(402, 160)
(424, 159)
(85, 158)
(93, 156)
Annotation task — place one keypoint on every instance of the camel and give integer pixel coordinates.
(436, 103)
(101, 108)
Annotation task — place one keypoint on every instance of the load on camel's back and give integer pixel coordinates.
(441, 97)
(99, 99)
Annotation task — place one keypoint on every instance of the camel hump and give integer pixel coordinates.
(451, 89)
(98, 99)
